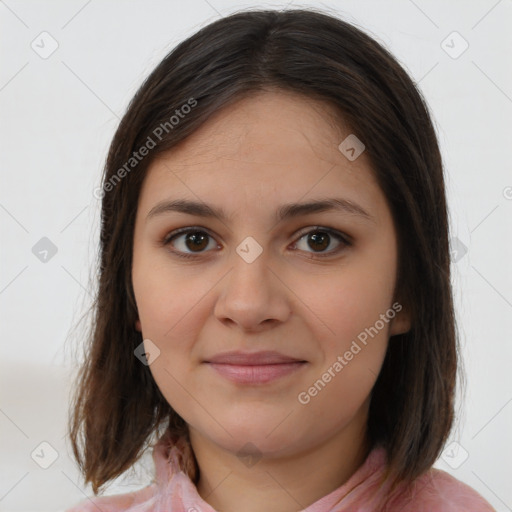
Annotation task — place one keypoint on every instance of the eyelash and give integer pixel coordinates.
(341, 237)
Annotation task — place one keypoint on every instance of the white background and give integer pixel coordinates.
(57, 118)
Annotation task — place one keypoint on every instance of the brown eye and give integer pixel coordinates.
(320, 239)
(187, 241)
(196, 240)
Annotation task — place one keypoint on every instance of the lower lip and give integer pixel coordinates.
(259, 374)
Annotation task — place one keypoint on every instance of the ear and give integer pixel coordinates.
(138, 327)
(402, 321)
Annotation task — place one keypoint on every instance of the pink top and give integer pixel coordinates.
(174, 490)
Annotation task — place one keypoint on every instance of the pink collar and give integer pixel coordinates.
(174, 488)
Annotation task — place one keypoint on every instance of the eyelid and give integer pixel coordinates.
(331, 231)
(343, 238)
(183, 231)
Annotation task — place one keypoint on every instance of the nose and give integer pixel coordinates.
(252, 295)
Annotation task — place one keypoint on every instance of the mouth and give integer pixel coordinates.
(254, 368)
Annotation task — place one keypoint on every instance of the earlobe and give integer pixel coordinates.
(401, 323)
(138, 326)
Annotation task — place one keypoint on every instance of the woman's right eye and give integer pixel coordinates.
(191, 238)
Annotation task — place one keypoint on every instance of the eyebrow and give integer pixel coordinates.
(285, 212)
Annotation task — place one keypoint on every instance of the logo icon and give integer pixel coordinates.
(351, 147)
(457, 249)
(454, 45)
(44, 250)
(44, 45)
(146, 352)
(249, 455)
(454, 455)
(249, 249)
(44, 455)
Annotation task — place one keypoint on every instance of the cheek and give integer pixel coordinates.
(168, 300)
(171, 307)
(348, 302)
(353, 346)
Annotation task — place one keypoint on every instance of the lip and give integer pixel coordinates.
(254, 368)
(252, 358)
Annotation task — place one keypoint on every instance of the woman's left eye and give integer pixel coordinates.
(197, 238)
(321, 238)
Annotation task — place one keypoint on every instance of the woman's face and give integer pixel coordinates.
(274, 331)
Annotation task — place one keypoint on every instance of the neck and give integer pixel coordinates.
(284, 484)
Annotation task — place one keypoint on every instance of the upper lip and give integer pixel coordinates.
(252, 359)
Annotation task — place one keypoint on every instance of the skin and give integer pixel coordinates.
(251, 158)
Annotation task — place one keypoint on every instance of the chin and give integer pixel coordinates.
(263, 437)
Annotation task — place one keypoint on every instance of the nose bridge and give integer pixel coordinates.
(250, 268)
(250, 294)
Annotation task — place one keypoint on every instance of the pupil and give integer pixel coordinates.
(197, 239)
(316, 238)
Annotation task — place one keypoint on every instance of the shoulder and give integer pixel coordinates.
(439, 491)
(116, 502)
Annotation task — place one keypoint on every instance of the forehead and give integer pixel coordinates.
(262, 126)
(272, 147)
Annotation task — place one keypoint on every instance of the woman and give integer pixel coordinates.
(274, 281)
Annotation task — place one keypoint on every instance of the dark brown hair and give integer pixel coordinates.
(117, 406)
